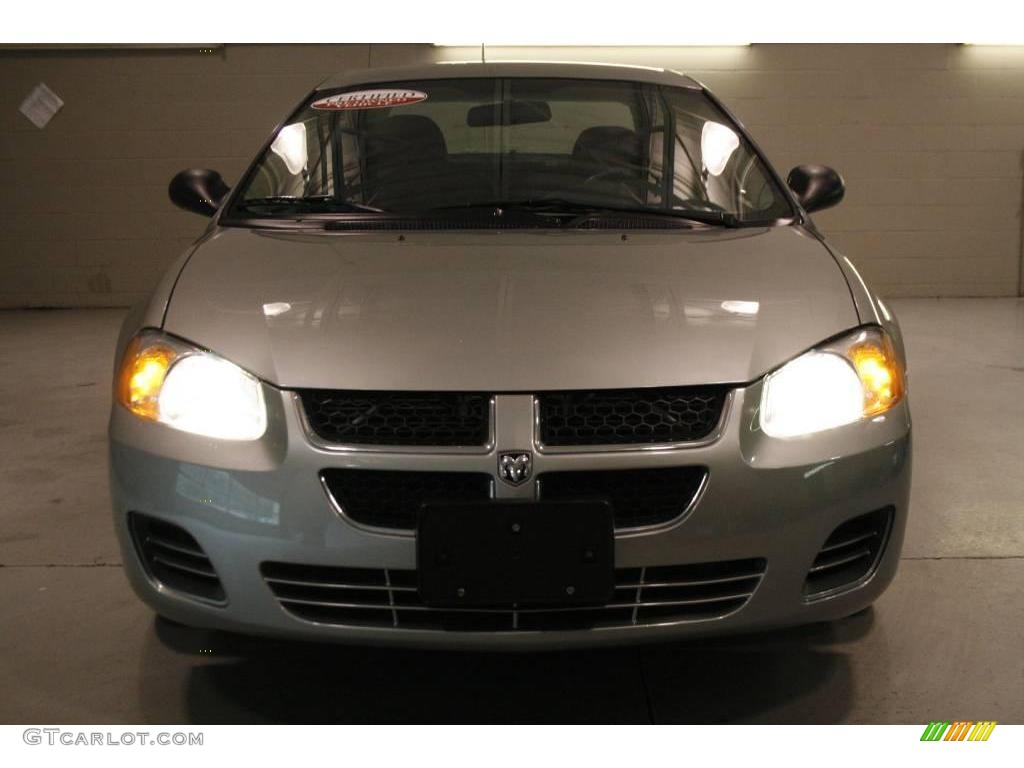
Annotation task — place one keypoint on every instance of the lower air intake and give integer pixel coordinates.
(173, 557)
(392, 499)
(639, 497)
(849, 555)
(372, 597)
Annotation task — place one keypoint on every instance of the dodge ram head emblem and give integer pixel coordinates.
(514, 467)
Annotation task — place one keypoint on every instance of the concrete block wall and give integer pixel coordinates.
(84, 214)
(930, 139)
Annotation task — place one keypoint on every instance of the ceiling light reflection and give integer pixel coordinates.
(717, 143)
(742, 307)
(275, 308)
(290, 146)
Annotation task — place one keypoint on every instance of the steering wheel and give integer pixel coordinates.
(702, 205)
(627, 180)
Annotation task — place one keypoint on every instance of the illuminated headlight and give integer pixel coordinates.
(165, 380)
(855, 377)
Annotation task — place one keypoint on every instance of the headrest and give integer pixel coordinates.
(608, 144)
(413, 137)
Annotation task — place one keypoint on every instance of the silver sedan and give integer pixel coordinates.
(516, 356)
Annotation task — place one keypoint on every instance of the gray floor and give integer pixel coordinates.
(943, 643)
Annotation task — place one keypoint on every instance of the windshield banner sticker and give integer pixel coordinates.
(375, 99)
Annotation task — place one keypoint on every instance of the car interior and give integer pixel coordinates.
(467, 146)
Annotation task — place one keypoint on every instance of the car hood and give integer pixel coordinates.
(503, 311)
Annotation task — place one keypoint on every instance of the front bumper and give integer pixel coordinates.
(249, 504)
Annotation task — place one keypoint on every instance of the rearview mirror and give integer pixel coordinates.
(816, 186)
(198, 190)
(509, 113)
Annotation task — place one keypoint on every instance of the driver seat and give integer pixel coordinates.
(609, 148)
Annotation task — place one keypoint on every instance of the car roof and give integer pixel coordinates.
(555, 69)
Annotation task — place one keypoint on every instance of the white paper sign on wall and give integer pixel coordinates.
(41, 105)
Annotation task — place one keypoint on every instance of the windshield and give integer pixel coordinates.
(423, 147)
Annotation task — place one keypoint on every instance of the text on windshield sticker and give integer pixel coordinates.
(376, 99)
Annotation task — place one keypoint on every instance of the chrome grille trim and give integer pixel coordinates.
(841, 561)
(607, 606)
(178, 566)
(320, 444)
(388, 587)
(849, 542)
(163, 544)
(391, 597)
(691, 583)
(387, 598)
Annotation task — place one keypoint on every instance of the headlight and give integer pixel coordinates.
(855, 377)
(165, 380)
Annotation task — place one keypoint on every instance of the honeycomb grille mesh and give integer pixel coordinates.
(639, 497)
(392, 499)
(398, 418)
(630, 416)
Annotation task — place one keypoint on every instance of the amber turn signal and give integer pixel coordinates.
(880, 374)
(143, 369)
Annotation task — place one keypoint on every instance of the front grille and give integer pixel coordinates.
(453, 419)
(638, 497)
(371, 597)
(392, 499)
(174, 558)
(629, 416)
(849, 555)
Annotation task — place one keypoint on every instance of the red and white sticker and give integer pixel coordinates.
(378, 98)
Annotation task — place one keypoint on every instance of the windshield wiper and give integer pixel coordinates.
(582, 212)
(312, 204)
(568, 214)
(706, 216)
(554, 206)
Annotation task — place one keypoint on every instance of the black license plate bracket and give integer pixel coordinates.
(516, 554)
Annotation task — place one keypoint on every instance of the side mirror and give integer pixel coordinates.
(816, 186)
(198, 190)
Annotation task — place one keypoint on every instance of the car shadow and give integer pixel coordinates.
(795, 676)
(789, 676)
